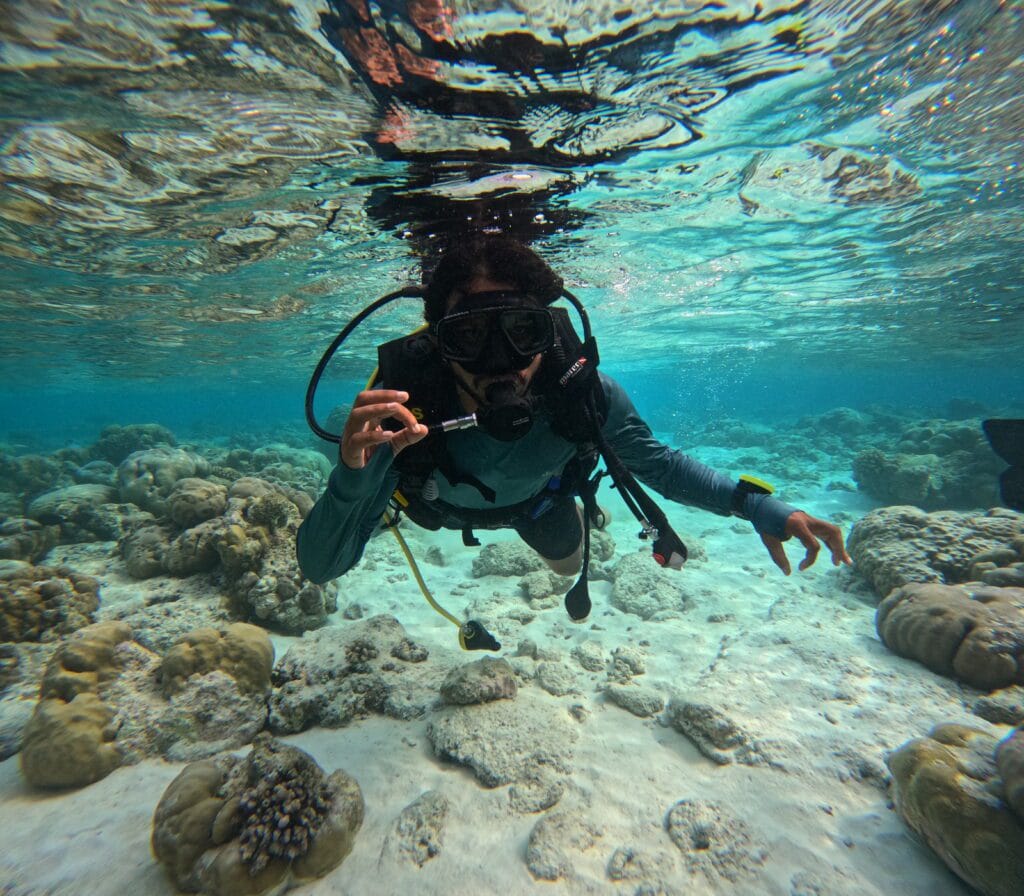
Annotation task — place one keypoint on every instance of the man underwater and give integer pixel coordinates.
(490, 352)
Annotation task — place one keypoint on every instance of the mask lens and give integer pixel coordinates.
(462, 337)
(528, 330)
(468, 336)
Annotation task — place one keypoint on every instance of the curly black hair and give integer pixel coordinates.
(496, 256)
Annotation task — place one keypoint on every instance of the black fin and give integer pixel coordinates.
(1011, 488)
(577, 601)
(1007, 440)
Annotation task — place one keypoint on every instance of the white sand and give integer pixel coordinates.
(796, 664)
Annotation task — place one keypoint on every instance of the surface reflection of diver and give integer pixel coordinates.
(1007, 440)
(491, 335)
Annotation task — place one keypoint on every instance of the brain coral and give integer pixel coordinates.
(69, 739)
(258, 825)
(944, 787)
(973, 634)
(242, 651)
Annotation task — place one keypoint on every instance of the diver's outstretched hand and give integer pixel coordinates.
(363, 433)
(808, 530)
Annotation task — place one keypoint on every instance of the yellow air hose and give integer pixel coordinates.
(472, 635)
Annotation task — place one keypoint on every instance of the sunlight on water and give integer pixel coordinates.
(796, 228)
(788, 180)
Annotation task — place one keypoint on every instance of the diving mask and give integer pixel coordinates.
(494, 332)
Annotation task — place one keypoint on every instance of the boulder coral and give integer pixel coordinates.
(28, 475)
(117, 442)
(242, 651)
(971, 633)
(193, 501)
(483, 680)
(1010, 762)
(147, 478)
(933, 464)
(41, 603)
(947, 788)
(107, 701)
(68, 742)
(247, 531)
(74, 509)
(255, 825)
(895, 546)
(25, 539)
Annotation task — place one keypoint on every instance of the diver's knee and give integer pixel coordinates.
(567, 566)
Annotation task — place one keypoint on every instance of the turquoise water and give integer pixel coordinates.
(773, 212)
(222, 204)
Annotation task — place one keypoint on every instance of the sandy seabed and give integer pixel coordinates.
(794, 661)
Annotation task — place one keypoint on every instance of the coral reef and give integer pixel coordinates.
(936, 464)
(21, 670)
(1010, 762)
(974, 634)
(41, 603)
(336, 675)
(645, 589)
(895, 546)
(946, 786)
(106, 701)
(115, 442)
(25, 539)
(28, 475)
(242, 651)
(76, 510)
(193, 501)
(284, 806)
(69, 741)
(1004, 706)
(480, 681)
(147, 478)
(247, 531)
(255, 825)
(176, 511)
(527, 743)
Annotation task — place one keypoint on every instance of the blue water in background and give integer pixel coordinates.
(687, 397)
(768, 212)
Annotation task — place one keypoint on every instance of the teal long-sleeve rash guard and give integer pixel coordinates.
(332, 537)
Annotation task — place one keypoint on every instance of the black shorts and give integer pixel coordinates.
(557, 532)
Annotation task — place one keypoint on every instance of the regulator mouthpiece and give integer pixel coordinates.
(507, 415)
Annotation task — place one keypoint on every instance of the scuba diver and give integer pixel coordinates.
(494, 416)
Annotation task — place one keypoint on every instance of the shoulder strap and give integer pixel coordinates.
(413, 364)
(568, 380)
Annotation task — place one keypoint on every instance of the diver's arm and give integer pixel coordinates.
(677, 476)
(331, 538)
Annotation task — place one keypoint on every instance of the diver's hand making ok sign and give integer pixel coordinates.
(363, 433)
